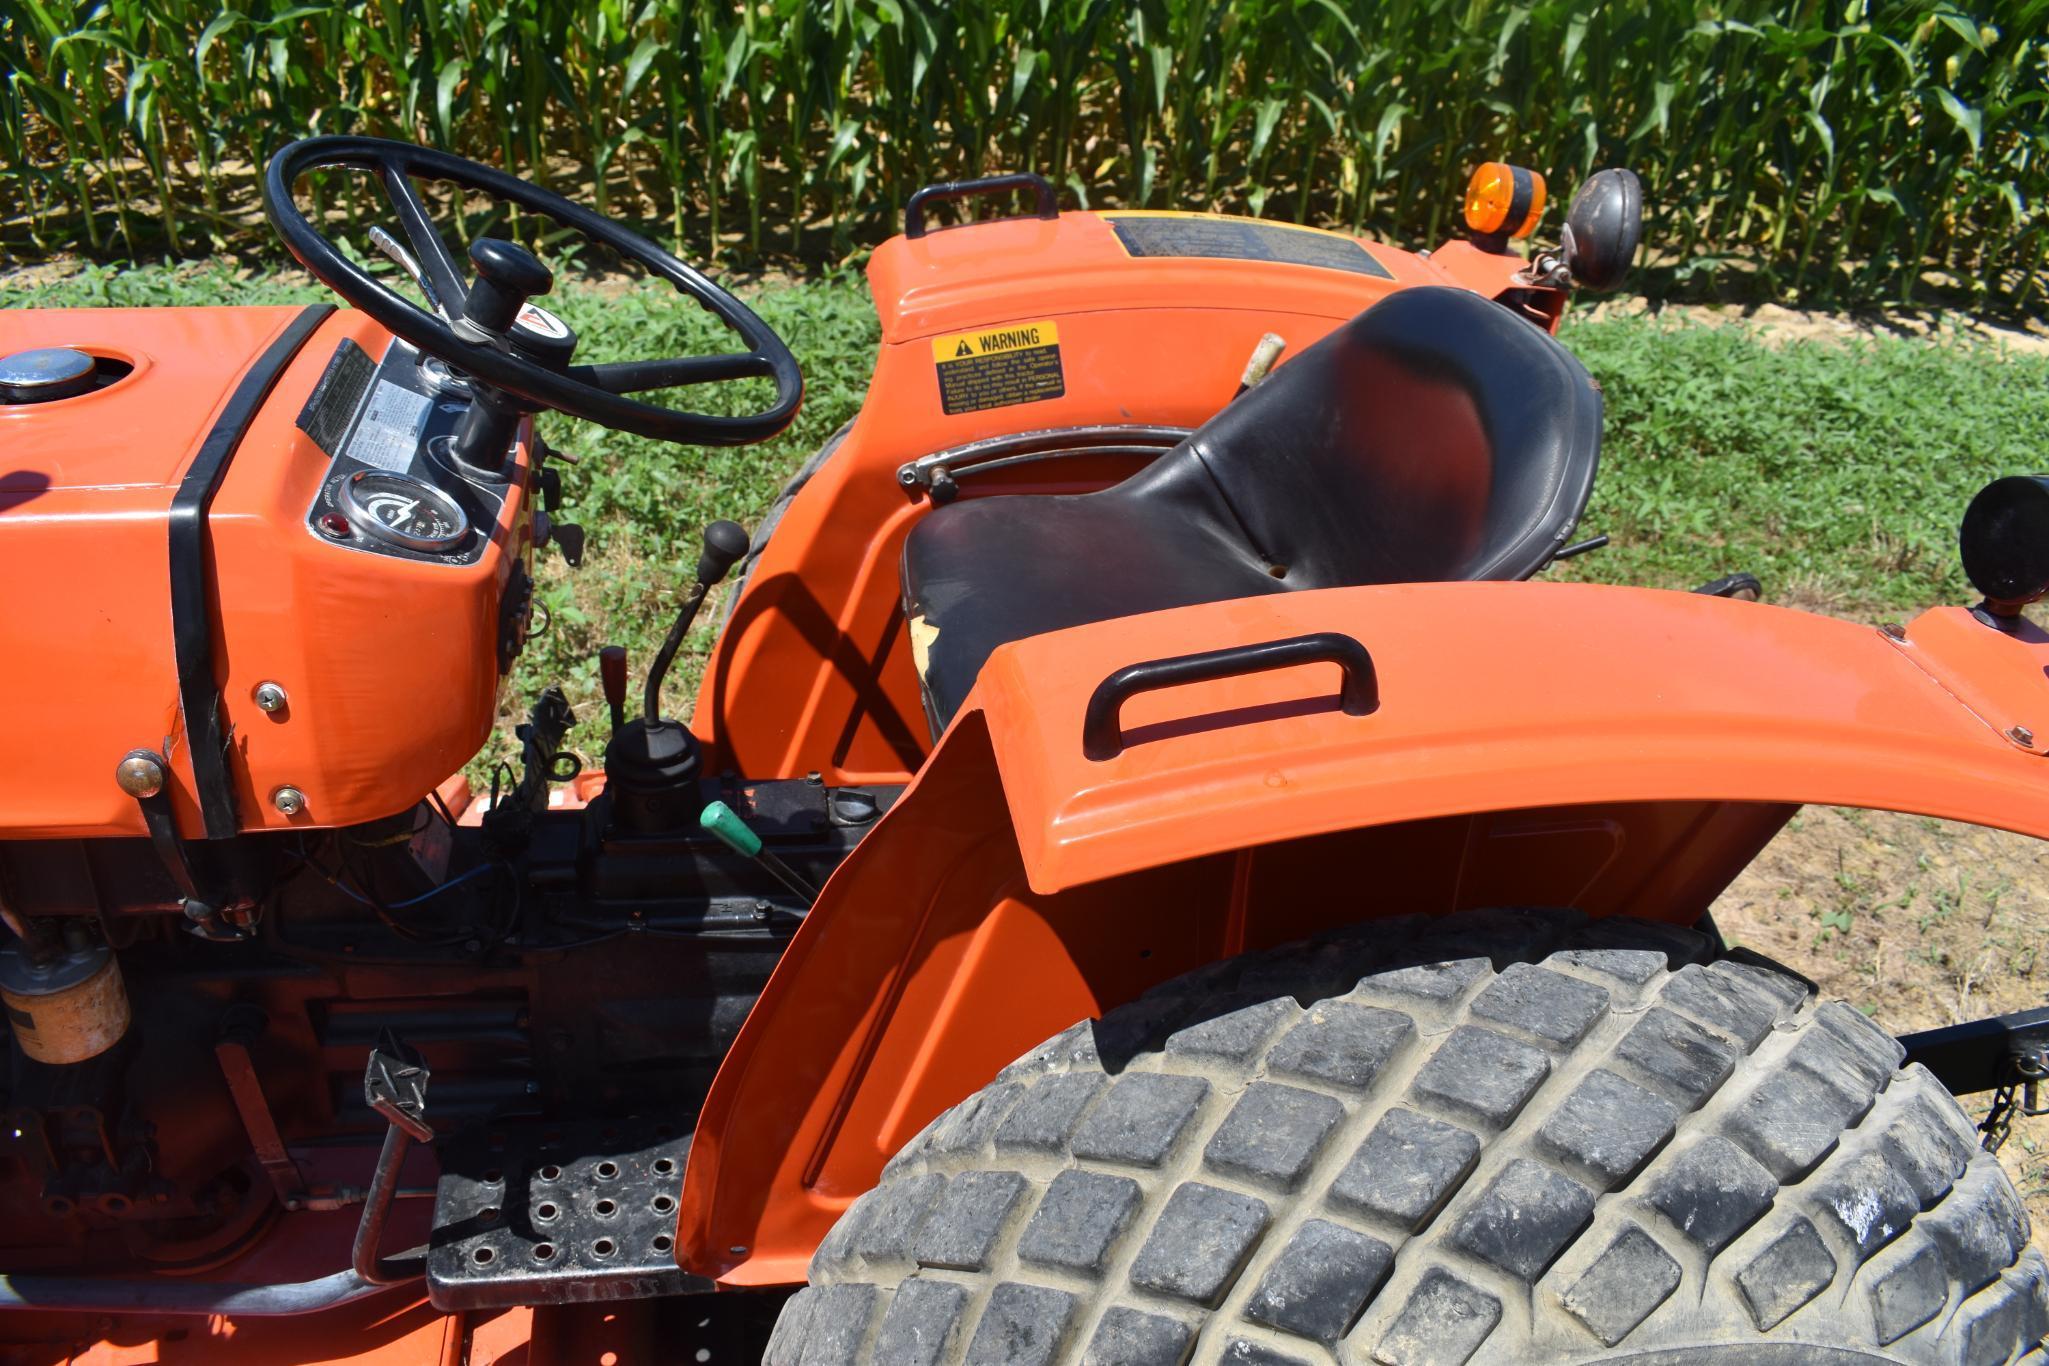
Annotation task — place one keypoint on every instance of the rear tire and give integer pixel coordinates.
(1606, 1140)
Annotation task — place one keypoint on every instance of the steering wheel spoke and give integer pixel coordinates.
(437, 262)
(638, 376)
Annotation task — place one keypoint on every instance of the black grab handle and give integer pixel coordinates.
(1043, 206)
(1102, 737)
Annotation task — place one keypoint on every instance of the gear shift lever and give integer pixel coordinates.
(651, 764)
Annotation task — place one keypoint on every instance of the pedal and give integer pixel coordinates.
(558, 1214)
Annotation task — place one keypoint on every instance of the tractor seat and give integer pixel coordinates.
(1437, 436)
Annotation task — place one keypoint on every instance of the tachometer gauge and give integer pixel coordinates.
(403, 511)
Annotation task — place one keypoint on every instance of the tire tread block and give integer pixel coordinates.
(1624, 1285)
(1443, 1323)
(1199, 1243)
(1406, 1169)
(1794, 1268)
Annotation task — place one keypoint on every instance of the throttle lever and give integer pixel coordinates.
(406, 262)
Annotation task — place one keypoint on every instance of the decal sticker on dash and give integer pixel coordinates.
(995, 367)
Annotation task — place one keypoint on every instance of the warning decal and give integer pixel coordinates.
(326, 415)
(995, 367)
(1242, 239)
(389, 431)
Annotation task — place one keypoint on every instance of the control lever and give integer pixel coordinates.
(724, 544)
(725, 824)
(651, 765)
(404, 260)
(507, 276)
(564, 536)
(568, 538)
(496, 313)
(612, 672)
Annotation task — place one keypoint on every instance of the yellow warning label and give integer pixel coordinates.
(994, 367)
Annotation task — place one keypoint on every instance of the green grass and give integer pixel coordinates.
(1836, 472)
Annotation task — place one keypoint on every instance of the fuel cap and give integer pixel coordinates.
(45, 373)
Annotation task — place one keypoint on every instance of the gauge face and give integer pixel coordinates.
(402, 510)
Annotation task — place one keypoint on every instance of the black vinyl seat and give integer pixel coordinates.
(1436, 436)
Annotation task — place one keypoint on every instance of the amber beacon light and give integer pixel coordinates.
(1503, 200)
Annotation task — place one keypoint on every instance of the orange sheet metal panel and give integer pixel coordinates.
(390, 665)
(85, 493)
(814, 672)
(1625, 750)
(1494, 696)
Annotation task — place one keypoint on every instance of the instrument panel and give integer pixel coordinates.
(392, 488)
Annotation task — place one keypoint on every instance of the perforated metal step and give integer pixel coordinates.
(559, 1214)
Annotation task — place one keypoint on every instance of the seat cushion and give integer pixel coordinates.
(985, 571)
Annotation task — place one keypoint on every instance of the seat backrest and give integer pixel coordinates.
(1436, 436)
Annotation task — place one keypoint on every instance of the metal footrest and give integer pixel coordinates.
(558, 1214)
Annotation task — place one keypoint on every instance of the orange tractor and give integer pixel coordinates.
(1147, 877)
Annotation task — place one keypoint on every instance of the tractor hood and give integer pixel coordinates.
(170, 371)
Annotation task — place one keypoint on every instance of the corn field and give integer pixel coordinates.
(1846, 151)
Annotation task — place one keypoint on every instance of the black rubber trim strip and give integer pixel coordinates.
(199, 692)
(1522, 189)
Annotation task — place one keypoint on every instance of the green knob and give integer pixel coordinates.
(725, 823)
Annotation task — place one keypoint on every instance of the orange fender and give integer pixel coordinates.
(1622, 750)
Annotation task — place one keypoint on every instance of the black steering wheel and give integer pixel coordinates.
(481, 330)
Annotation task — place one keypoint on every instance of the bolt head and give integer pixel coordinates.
(270, 697)
(289, 801)
(2021, 735)
(140, 775)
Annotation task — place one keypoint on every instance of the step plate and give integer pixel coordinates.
(558, 1214)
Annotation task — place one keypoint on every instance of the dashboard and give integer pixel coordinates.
(392, 486)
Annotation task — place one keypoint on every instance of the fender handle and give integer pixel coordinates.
(1102, 735)
(1043, 205)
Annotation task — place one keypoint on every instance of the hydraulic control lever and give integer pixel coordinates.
(651, 765)
(724, 544)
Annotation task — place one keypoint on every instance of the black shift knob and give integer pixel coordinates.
(724, 544)
(507, 276)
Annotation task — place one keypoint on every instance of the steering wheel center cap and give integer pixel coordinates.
(533, 320)
(542, 335)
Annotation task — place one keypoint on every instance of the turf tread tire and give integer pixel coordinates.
(1602, 1140)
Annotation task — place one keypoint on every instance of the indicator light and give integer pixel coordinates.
(1504, 200)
